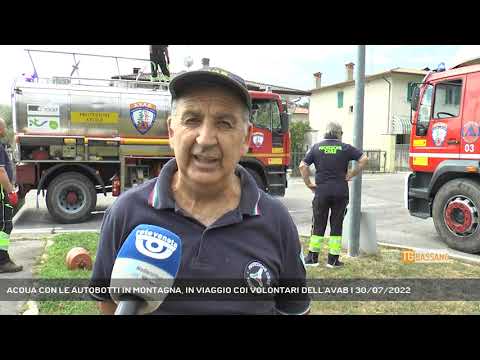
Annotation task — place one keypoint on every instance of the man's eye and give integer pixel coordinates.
(225, 124)
(190, 121)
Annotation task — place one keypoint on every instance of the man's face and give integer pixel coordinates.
(208, 134)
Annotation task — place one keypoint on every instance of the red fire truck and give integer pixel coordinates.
(445, 154)
(79, 137)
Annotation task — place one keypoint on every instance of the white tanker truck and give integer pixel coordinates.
(77, 137)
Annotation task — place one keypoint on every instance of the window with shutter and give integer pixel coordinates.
(410, 87)
(340, 99)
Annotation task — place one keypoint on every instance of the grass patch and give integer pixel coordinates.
(387, 264)
(53, 266)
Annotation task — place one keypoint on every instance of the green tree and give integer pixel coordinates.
(298, 130)
(6, 114)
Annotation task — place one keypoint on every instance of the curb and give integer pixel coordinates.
(42, 234)
(32, 308)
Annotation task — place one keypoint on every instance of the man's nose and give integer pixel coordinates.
(207, 134)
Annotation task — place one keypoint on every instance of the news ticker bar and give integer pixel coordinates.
(234, 290)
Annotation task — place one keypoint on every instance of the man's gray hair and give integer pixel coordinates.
(333, 130)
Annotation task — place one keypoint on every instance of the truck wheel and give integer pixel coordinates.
(456, 214)
(258, 178)
(71, 197)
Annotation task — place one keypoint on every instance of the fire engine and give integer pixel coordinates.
(79, 137)
(445, 154)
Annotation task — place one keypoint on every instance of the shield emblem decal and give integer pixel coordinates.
(257, 139)
(439, 133)
(143, 116)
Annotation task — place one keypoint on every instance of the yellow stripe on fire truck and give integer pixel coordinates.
(274, 161)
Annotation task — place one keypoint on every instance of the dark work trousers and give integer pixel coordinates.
(6, 215)
(326, 202)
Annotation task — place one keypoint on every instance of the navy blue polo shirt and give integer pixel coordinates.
(5, 162)
(258, 237)
(331, 158)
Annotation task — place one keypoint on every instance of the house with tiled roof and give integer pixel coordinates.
(386, 112)
(300, 114)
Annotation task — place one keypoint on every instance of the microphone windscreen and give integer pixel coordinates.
(146, 266)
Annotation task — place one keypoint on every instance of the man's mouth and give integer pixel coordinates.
(207, 160)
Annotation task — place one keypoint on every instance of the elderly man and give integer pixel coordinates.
(8, 199)
(331, 158)
(230, 229)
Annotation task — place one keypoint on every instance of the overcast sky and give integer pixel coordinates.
(284, 65)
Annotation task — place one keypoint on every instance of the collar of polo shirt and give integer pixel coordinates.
(161, 197)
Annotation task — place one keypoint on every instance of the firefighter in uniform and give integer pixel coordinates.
(331, 157)
(8, 199)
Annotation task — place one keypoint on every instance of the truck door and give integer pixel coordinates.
(439, 123)
(261, 142)
(277, 134)
(470, 147)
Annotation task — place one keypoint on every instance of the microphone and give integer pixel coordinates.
(150, 255)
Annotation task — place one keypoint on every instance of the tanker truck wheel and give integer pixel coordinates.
(71, 197)
(456, 215)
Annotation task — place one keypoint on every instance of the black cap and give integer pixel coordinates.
(183, 81)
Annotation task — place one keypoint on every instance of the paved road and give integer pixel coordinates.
(382, 195)
(26, 253)
(31, 220)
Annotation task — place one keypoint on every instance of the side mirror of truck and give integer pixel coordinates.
(284, 121)
(421, 129)
(415, 97)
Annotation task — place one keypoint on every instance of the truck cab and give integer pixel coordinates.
(268, 157)
(445, 154)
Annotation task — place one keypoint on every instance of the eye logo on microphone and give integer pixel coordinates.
(154, 244)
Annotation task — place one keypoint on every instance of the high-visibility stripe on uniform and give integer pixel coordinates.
(4, 241)
(335, 245)
(315, 243)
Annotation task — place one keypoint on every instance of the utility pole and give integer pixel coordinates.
(353, 231)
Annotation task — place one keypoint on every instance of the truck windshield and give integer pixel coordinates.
(262, 114)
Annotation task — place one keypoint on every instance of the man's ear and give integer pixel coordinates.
(246, 143)
(170, 130)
